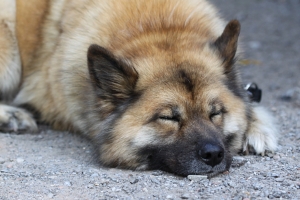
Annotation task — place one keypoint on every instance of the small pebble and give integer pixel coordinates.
(274, 109)
(154, 180)
(226, 172)
(291, 94)
(269, 154)
(90, 186)
(67, 183)
(276, 157)
(238, 161)
(266, 193)
(257, 186)
(279, 179)
(104, 181)
(2, 160)
(185, 196)
(134, 180)
(157, 173)
(50, 195)
(20, 160)
(231, 184)
(9, 164)
(95, 175)
(277, 194)
(196, 177)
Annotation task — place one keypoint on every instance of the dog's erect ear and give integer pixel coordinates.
(227, 43)
(113, 80)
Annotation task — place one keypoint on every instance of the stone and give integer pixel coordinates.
(196, 177)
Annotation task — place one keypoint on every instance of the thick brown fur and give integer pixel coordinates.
(152, 83)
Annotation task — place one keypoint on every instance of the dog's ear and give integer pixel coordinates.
(114, 81)
(227, 43)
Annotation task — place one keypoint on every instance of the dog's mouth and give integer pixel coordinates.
(202, 169)
(195, 167)
(186, 163)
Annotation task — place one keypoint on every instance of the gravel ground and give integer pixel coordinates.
(59, 165)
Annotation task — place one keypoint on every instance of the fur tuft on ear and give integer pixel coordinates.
(227, 43)
(114, 81)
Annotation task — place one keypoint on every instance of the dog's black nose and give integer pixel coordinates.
(211, 154)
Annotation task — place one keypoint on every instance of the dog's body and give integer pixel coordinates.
(157, 90)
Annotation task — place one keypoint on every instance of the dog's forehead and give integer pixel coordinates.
(187, 89)
(201, 60)
(192, 74)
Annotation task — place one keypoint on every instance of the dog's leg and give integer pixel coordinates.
(14, 119)
(262, 134)
(11, 118)
(10, 64)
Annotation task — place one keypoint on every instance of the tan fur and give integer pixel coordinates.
(157, 39)
(10, 65)
(29, 34)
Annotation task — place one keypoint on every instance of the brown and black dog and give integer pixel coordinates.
(154, 84)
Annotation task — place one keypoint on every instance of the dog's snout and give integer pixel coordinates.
(211, 154)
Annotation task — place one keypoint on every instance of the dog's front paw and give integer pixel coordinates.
(14, 119)
(262, 134)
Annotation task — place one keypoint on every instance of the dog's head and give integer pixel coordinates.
(175, 108)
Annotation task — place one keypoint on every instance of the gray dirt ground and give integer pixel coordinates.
(59, 165)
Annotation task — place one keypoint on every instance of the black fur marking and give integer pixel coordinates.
(116, 114)
(229, 140)
(186, 80)
(105, 135)
(234, 85)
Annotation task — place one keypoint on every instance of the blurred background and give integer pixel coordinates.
(270, 36)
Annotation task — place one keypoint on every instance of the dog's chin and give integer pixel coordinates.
(185, 167)
(196, 167)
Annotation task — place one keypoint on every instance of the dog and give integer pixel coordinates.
(154, 84)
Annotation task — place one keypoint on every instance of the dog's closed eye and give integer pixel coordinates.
(169, 118)
(215, 114)
(169, 115)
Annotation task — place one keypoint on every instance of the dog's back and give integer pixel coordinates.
(54, 36)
